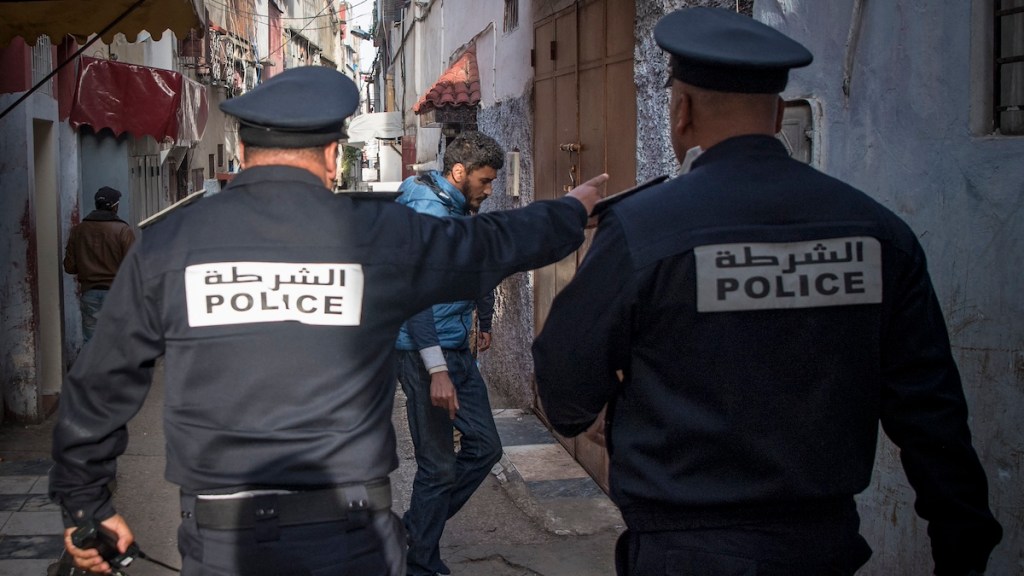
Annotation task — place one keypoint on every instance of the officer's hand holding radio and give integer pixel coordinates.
(101, 548)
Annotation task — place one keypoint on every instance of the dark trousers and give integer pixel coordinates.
(445, 480)
(92, 301)
(371, 545)
(768, 549)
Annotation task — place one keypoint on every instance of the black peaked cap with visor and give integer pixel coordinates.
(298, 108)
(720, 50)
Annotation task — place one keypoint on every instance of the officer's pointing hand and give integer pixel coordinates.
(590, 192)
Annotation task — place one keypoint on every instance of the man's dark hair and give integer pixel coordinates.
(473, 150)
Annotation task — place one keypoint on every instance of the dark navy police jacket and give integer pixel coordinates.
(766, 317)
(276, 305)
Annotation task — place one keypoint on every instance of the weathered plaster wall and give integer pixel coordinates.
(903, 137)
(653, 151)
(19, 320)
(508, 366)
(17, 372)
(70, 214)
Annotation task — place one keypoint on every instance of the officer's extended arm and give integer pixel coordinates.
(484, 316)
(106, 387)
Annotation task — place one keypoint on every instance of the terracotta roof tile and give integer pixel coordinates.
(459, 86)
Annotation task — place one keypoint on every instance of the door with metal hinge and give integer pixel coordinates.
(584, 124)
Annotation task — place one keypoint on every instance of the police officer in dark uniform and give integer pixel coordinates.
(276, 304)
(764, 318)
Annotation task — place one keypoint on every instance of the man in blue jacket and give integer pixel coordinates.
(437, 370)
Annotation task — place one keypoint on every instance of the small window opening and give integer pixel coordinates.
(511, 15)
(42, 64)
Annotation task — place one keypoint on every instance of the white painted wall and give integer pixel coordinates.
(503, 57)
(160, 53)
(432, 44)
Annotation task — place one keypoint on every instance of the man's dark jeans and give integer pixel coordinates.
(444, 479)
(92, 301)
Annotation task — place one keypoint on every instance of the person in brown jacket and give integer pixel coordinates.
(95, 249)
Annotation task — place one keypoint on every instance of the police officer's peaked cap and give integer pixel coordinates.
(298, 108)
(721, 50)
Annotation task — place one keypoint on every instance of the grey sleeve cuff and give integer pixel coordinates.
(433, 359)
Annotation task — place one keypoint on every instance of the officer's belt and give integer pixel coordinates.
(294, 508)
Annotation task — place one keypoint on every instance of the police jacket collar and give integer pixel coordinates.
(756, 144)
(262, 174)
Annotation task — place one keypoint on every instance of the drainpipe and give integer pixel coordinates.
(851, 45)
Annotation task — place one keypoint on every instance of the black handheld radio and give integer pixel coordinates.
(104, 540)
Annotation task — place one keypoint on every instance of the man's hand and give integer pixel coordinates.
(590, 192)
(483, 341)
(442, 393)
(89, 559)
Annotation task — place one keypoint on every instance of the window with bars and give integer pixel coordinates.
(42, 64)
(511, 15)
(1008, 67)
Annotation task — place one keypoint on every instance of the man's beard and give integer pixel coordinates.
(472, 206)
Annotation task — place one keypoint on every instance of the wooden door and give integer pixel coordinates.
(584, 124)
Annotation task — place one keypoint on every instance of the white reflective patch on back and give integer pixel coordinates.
(222, 293)
(763, 275)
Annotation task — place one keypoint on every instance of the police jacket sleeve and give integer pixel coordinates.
(485, 311)
(924, 412)
(104, 389)
(422, 330)
(585, 338)
(462, 258)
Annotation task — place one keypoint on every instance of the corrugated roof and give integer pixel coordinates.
(459, 86)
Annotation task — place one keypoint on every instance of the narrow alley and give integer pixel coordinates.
(539, 514)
